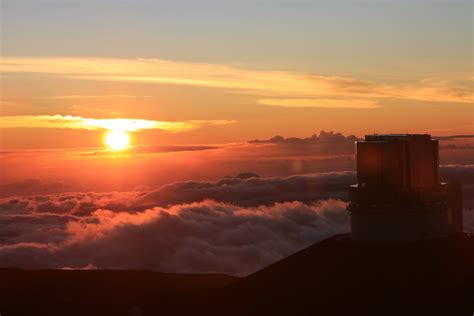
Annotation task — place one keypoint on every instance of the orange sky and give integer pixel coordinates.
(385, 68)
(53, 98)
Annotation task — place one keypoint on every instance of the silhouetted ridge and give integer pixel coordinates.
(337, 276)
(341, 276)
(103, 292)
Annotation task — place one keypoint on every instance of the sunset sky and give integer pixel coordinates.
(238, 69)
(141, 134)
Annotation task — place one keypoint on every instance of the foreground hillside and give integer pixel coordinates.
(335, 276)
(66, 292)
(340, 276)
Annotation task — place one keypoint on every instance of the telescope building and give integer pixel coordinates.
(398, 195)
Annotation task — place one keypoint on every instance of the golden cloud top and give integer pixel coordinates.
(122, 124)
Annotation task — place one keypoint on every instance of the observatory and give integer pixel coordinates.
(398, 195)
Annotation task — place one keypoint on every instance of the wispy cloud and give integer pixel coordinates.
(321, 103)
(6, 103)
(299, 89)
(107, 96)
(124, 124)
(454, 137)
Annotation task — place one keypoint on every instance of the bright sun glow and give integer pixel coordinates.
(117, 140)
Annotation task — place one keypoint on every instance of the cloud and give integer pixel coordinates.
(78, 122)
(170, 148)
(323, 137)
(321, 103)
(244, 190)
(252, 191)
(236, 225)
(267, 85)
(32, 187)
(464, 174)
(106, 96)
(455, 146)
(73, 203)
(147, 149)
(87, 267)
(199, 237)
(146, 168)
(453, 137)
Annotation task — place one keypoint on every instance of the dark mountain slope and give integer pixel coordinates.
(102, 292)
(334, 277)
(340, 276)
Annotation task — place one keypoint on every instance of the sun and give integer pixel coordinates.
(117, 140)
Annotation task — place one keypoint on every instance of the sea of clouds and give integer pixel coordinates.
(235, 225)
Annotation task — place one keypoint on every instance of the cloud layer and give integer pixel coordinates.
(198, 237)
(236, 225)
(279, 88)
(254, 191)
(123, 124)
(242, 190)
(321, 103)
